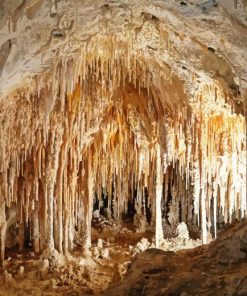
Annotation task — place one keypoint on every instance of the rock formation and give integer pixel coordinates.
(206, 270)
(116, 106)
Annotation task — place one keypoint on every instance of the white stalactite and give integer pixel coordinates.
(87, 128)
(158, 209)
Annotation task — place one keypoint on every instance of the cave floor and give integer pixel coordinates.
(215, 269)
(117, 267)
(73, 274)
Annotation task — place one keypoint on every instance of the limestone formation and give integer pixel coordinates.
(117, 113)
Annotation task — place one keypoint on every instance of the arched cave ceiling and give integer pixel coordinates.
(194, 40)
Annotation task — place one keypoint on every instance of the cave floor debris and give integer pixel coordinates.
(119, 256)
(27, 274)
(215, 269)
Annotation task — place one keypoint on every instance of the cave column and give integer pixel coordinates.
(203, 217)
(60, 212)
(21, 234)
(215, 207)
(51, 175)
(50, 213)
(3, 227)
(203, 159)
(158, 211)
(35, 218)
(88, 203)
(3, 223)
(59, 197)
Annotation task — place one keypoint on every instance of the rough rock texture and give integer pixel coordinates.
(53, 274)
(219, 268)
(196, 34)
(132, 108)
(178, 242)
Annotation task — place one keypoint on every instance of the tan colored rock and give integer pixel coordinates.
(43, 269)
(104, 253)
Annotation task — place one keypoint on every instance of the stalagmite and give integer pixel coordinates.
(36, 233)
(21, 234)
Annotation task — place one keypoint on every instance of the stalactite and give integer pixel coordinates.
(93, 117)
(158, 223)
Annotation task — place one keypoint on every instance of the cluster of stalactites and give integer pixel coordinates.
(89, 80)
(203, 167)
(54, 165)
(45, 131)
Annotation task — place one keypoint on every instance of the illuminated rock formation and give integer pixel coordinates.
(120, 103)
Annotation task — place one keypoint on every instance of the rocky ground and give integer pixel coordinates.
(219, 268)
(113, 249)
(55, 274)
(124, 262)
